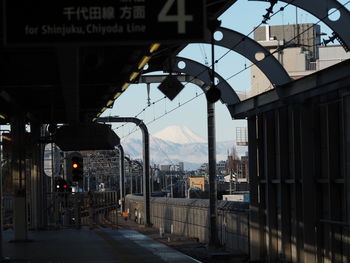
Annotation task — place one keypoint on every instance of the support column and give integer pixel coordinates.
(131, 178)
(44, 181)
(36, 179)
(145, 152)
(335, 183)
(346, 120)
(271, 182)
(282, 170)
(146, 191)
(130, 174)
(308, 182)
(68, 58)
(297, 248)
(213, 237)
(122, 178)
(18, 177)
(262, 189)
(254, 223)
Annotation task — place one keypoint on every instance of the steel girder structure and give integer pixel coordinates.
(199, 75)
(145, 151)
(122, 177)
(321, 10)
(239, 43)
(325, 81)
(250, 48)
(101, 164)
(299, 169)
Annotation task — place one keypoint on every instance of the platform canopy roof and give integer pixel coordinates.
(40, 80)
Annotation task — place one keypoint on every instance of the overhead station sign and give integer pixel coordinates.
(45, 22)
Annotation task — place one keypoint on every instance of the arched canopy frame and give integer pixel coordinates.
(201, 72)
(321, 9)
(253, 51)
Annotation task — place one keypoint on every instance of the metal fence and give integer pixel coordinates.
(71, 209)
(82, 209)
(7, 211)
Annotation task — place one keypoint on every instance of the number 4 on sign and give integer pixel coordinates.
(181, 18)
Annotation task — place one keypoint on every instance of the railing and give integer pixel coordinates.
(7, 212)
(312, 66)
(82, 209)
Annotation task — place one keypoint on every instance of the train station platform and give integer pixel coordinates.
(90, 246)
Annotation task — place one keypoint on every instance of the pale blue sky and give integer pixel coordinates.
(242, 17)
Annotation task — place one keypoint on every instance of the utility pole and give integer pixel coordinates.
(213, 90)
(2, 258)
(171, 185)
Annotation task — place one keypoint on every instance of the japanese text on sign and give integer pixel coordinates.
(88, 21)
(77, 13)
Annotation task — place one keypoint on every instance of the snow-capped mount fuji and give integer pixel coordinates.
(178, 134)
(179, 144)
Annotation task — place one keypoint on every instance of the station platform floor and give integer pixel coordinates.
(90, 246)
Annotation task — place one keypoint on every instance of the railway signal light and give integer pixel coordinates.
(61, 185)
(74, 167)
(77, 168)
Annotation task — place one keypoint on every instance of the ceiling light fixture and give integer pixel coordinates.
(117, 95)
(125, 86)
(110, 102)
(154, 47)
(143, 62)
(133, 76)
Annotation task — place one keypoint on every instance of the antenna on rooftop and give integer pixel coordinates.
(241, 136)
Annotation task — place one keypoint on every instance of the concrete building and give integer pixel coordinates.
(329, 56)
(172, 167)
(221, 166)
(304, 55)
(271, 36)
(181, 166)
(165, 167)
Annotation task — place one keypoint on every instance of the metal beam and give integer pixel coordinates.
(200, 72)
(255, 245)
(308, 126)
(69, 72)
(18, 161)
(145, 142)
(213, 211)
(320, 9)
(249, 48)
(122, 177)
(130, 172)
(332, 78)
(148, 79)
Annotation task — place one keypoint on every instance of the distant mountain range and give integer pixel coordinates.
(179, 144)
(179, 134)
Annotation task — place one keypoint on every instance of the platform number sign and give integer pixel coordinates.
(180, 18)
(90, 22)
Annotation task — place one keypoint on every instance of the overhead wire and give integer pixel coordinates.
(208, 67)
(285, 45)
(164, 114)
(216, 61)
(245, 68)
